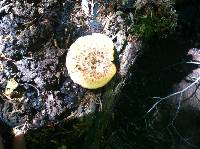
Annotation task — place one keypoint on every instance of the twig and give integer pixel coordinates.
(171, 95)
(177, 110)
(198, 63)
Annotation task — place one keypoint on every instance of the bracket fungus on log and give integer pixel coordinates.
(89, 61)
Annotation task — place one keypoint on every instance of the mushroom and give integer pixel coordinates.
(89, 61)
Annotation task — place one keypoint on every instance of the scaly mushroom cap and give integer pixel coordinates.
(89, 61)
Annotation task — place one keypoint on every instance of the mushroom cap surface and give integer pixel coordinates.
(89, 61)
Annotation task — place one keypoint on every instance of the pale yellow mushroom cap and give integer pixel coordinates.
(89, 61)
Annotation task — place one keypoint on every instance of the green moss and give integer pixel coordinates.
(154, 18)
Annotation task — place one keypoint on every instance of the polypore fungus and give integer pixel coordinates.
(89, 61)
